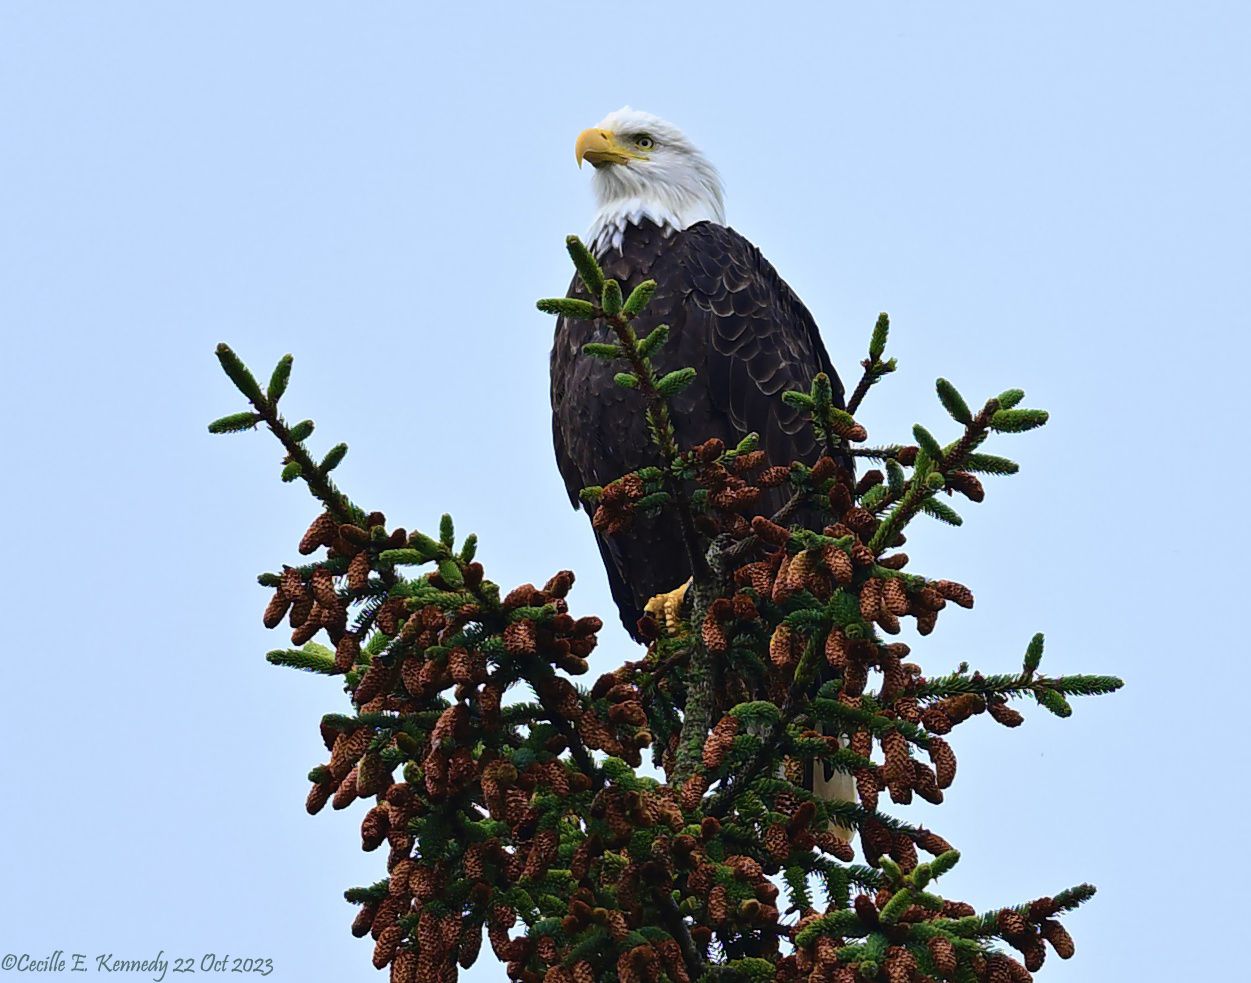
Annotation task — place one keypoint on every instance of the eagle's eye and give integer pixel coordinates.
(644, 142)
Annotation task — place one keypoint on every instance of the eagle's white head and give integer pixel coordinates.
(646, 168)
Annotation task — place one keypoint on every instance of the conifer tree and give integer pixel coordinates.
(508, 794)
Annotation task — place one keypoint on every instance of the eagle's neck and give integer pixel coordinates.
(672, 204)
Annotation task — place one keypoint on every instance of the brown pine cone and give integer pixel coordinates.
(904, 852)
(714, 636)
(900, 964)
(781, 581)
(583, 972)
(318, 796)
(1058, 936)
(871, 599)
(301, 612)
(838, 563)
(521, 638)
(719, 741)
(323, 588)
(346, 652)
(347, 750)
(944, 760)
(388, 912)
(935, 721)
(967, 485)
(384, 951)
(1012, 924)
(322, 532)
(1004, 714)
(1035, 954)
(346, 793)
(943, 953)
(776, 842)
(358, 571)
(867, 786)
(925, 783)
(364, 919)
(718, 906)
(378, 678)
(836, 649)
(404, 966)
(931, 842)
(781, 651)
(952, 591)
(895, 597)
(276, 610)
(291, 585)
(470, 943)
(898, 770)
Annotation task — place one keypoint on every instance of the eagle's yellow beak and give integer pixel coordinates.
(600, 147)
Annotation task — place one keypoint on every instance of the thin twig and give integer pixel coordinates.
(666, 439)
(867, 378)
(318, 481)
(676, 926)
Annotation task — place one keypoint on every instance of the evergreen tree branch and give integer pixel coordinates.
(316, 476)
(533, 821)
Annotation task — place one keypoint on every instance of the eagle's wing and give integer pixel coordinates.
(753, 338)
(749, 338)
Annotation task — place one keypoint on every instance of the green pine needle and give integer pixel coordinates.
(941, 511)
(449, 570)
(639, 298)
(427, 547)
(953, 402)
(567, 307)
(801, 401)
(1034, 654)
(1017, 421)
(1053, 701)
(334, 457)
(989, 464)
(895, 476)
(675, 382)
(404, 557)
(239, 375)
(657, 337)
(311, 658)
(235, 423)
(589, 273)
(278, 381)
(611, 298)
(925, 440)
(877, 344)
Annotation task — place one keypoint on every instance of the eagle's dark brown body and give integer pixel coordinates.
(749, 339)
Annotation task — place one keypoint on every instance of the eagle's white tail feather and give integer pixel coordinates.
(840, 788)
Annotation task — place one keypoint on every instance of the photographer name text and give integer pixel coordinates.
(155, 967)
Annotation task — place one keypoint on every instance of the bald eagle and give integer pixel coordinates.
(749, 338)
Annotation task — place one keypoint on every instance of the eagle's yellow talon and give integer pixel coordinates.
(667, 610)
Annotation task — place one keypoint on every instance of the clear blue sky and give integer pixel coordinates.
(1045, 195)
